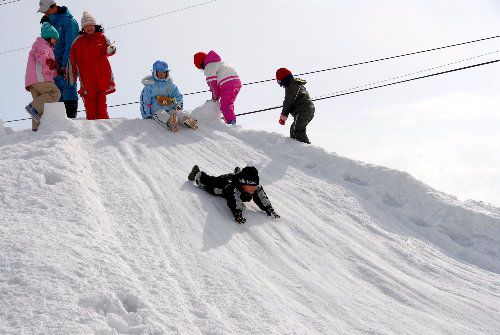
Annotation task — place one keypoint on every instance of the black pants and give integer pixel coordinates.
(298, 127)
(211, 184)
(71, 108)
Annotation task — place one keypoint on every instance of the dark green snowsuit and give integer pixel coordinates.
(298, 104)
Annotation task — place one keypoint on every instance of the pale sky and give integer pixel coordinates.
(442, 130)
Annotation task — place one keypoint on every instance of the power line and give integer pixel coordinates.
(128, 23)
(380, 86)
(415, 73)
(406, 75)
(167, 13)
(336, 94)
(6, 3)
(382, 59)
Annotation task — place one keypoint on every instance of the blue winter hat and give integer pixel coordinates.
(160, 66)
(48, 31)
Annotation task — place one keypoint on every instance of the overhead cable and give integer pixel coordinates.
(163, 14)
(136, 21)
(335, 95)
(6, 3)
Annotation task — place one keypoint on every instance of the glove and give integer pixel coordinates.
(52, 64)
(273, 214)
(110, 50)
(239, 218)
(61, 72)
(282, 119)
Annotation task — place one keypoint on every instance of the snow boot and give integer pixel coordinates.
(190, 122)
(193, 173)
(33, 112)
(172, 122)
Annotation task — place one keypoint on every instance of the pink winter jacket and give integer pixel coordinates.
(37, 70)
(218, 73)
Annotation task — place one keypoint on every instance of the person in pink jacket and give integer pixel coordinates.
(40, 72)
(223, 81)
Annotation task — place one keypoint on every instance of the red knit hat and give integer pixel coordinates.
(199, 59)
(282, 73)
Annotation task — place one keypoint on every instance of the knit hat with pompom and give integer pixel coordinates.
(88, 19)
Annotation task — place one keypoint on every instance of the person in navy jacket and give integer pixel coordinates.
(67, 27)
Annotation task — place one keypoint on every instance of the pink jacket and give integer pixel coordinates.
(218, 73)
(37, 70)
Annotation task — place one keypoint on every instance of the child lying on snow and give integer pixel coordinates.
(162, 101)
(238, 187)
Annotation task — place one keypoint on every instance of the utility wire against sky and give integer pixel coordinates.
(356, 89)
(338, 67)
(335, 95)
(132, 22)
(6, 3)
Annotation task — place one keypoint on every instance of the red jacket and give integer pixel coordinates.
(89, 60)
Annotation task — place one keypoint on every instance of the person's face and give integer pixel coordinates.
(52, 10)
(53, 41)
(161, 75)
(250, 189)
(89, 29)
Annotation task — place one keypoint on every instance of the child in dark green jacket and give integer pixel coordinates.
(297, 103)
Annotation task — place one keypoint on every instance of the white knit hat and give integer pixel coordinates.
(88, 19)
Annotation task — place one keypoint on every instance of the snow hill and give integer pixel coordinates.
(101, 233)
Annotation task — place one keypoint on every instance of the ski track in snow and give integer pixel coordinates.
(101, 233)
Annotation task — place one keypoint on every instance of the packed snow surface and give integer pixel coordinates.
(101, 233)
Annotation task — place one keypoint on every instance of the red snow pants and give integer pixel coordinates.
(95, 105)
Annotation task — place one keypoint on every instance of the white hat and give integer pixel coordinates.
(88, 19)
(45, 5)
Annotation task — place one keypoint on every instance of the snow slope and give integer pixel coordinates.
(101, 233)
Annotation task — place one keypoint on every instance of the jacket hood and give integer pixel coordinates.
(41, 43)
(212, 57)
(150, 80)
(64, 10)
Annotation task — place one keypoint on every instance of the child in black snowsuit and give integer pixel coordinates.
(238, 187)
(297, 103)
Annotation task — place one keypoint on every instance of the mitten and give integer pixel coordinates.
(282, 119)
(110, 50)
(52, 64)
(238, 217)
(272, 213)
(165, 101)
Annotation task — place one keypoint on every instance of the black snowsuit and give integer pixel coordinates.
(298, 103)
(226, 186)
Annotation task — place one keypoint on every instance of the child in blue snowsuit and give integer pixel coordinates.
(162, 101)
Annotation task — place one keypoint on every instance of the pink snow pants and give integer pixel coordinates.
(228, 93)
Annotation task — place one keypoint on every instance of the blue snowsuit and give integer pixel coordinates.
(153, 87)
(68, 30)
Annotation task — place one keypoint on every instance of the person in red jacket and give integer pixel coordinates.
(89, 60)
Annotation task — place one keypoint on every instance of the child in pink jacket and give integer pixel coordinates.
(40, 72)
(223, 81)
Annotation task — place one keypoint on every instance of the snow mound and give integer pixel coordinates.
(101, 233)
